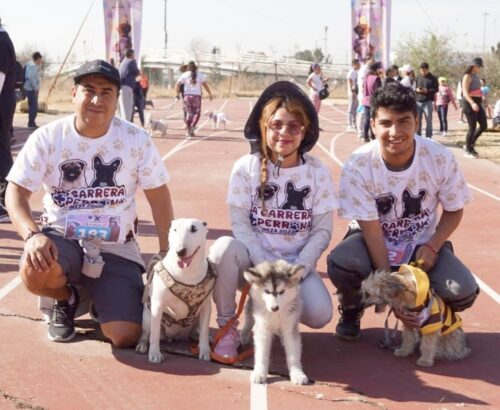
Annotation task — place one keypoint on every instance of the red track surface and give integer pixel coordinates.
(89, 373)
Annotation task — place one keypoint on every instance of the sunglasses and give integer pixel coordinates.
(292, 127)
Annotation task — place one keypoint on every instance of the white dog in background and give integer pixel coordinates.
(177, 299)
(218, 118)
(274, 307)
(155, 126)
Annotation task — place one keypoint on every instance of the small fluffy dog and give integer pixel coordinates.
(440, 333)
(217, 118)
(177, 300)
(155, 126)
(274, 307)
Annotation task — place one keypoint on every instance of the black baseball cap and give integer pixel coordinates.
(477, 61)
(100, 67)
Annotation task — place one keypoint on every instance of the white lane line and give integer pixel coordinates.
(489, 291)
(484, 287)
(258, 396)
(475, 188)
(10, 286)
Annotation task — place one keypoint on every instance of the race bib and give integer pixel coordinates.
(400, 255)
(90, 226)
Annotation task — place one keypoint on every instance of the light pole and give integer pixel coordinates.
(165, 27)
(485, 14)
(326, 48)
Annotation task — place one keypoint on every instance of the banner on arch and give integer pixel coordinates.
(371, 30)
(122, 28)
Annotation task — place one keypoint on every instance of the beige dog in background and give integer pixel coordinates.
(440, 333)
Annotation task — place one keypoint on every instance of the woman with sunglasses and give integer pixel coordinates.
(281, 201)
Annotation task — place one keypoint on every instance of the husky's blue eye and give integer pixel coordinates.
(267, 291)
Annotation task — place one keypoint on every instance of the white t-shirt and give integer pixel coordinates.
(316, 81)
(189, 87)
(496, 110)
(405, 201)
(290, 201)
(352, 75)
(361, 81)
(90, 184)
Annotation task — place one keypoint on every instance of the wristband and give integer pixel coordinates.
(32, 234)
(428, 245)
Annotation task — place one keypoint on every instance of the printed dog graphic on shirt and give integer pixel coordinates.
(295, 198)
(412, 205)
(269, 194)
(105, 173)
(72, 175)
(385, 204)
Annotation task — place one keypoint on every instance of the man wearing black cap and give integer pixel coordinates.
(426, 88)
(90, 165)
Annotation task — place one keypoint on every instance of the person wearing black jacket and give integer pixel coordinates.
(426, 88)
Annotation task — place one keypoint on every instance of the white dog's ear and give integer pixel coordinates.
(297, 273)
(252, 275)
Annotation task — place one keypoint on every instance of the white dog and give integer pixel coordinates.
(218, 118)
(178, 293)
(274, 307)
(155, 126)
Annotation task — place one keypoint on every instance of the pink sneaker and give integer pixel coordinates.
(228, 344)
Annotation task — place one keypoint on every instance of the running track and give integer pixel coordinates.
(89, 373)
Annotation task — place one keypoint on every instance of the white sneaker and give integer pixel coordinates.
(470, 155)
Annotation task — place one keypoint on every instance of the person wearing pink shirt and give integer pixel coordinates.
(443, 98)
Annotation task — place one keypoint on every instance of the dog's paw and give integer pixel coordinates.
(401, 352)
(204, 352)
(258, 378)
(424, 362)
(298, 377)
(155, 357)
(142, 347)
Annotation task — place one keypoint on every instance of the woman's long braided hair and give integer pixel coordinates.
(194, 69)
(294, 107)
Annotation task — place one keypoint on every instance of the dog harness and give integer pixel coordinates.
(434, 313)
(192, 295)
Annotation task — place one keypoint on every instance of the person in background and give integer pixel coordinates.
(408, 80)
(426, 86)
(139, 103)
(193, 81)
(496, 115)
(128, 72)
(360, 118)
(32, 81)
(316, 83)
(390, 73)
(406, 196)
(444, 97)
(485, 91)
(372, 82)
(281, 203)
(144, 84)
(395, 70)
(352, 93)
(473, 106)
(7, 108)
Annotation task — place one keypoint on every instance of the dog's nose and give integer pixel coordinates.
(275, 308)
(182, 252)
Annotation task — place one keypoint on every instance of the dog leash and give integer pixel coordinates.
(223, 331)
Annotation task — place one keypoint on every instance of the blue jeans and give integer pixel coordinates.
(442, 111)
(32, 106)
(425, 108)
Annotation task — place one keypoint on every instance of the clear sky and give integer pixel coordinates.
(270, 26)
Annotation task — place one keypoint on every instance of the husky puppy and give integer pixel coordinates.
(158, 126)
(177, 297)
(217, 118)
(274, 307)
(440, 333)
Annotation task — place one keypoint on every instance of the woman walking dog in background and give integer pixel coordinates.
(473, 106)
(192, 81)
(316, 83)
(442, 100)
(281, 202)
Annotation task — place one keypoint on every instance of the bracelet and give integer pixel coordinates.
(428, 245)
(32, 234)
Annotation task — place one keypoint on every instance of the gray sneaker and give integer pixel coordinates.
(62, 323)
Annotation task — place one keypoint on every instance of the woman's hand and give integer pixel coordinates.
(475, 107)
